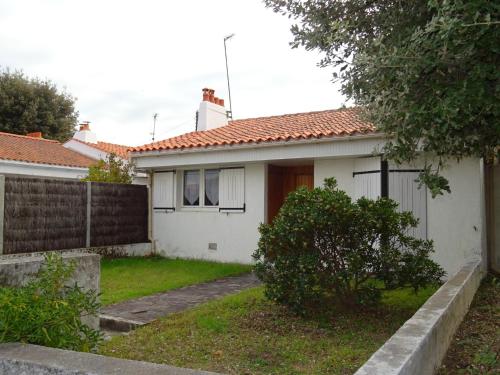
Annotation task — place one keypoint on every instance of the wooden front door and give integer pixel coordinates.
(284, 180)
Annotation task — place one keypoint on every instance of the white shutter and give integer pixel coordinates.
(367, 185)
(403, 188)
(232, 189)
(366, 175)
(163, 190)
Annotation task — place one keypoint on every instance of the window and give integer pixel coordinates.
(202, 184)
(211, 187)
(191, 188)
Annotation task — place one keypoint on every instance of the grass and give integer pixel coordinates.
(475, 348)
(247, 334)
(133, 277)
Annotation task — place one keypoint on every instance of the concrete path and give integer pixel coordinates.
(128, 315)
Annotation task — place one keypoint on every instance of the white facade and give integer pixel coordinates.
(454, 221)
(188, 232)
(10, 167)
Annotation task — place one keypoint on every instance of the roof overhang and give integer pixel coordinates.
(331, 147)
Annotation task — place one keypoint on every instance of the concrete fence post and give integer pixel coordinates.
(89, 206)
(2, 210)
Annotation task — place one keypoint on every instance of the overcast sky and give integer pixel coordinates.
(126, 60)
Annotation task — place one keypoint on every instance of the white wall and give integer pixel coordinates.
(341, 169)
(86, 150)
(8, 167)
(454, 221)
(187, 232)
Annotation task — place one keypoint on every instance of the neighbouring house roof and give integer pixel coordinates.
(298, 126)
(38, 150)
(119, 150)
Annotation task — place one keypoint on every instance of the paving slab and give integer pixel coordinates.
(127, 315)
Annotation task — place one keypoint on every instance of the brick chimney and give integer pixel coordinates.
(84, 133)
(212, 113)
(35, 135)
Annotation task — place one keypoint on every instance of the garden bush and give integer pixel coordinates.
(322, 245)
(46, 311)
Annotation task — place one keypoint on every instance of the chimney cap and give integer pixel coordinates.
(209, 96)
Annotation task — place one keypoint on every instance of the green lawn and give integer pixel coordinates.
(246, 334)
(133, 277)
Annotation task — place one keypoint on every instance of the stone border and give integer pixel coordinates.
(420, 345)
(33, 359)
(132, 249)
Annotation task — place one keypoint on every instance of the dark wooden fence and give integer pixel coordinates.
(119, 214)
(48, 214)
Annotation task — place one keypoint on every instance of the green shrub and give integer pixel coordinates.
(323, 245)
(47, 312)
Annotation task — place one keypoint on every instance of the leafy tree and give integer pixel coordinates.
(48, 312)
(30, 105)
(426, 71)
(323, 245)
(113, 169)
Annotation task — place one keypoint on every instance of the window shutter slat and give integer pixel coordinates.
(163, 190)
(232, 189)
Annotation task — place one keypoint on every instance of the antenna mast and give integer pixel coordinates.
(226, 38)
(155, 116)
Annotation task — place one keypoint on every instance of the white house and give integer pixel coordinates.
(85, 142)
(32, 155)
(213, 187)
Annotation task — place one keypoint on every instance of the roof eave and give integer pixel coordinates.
(237, 146)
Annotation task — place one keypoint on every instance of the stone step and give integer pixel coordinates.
(117, 324)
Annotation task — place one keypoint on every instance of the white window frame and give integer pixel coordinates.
(201, 206)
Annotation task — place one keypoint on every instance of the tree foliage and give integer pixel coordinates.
(113, 169)
(31, 105)
(426, 71)
(323, 245)
(48, 312)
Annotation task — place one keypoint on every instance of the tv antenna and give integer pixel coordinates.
(155, 116)
(226, 38)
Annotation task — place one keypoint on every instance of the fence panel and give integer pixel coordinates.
(49, 214)
(119, 214)
(43, 214)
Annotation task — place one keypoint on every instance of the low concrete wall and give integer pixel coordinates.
(37, 360)
(133, 249)
(18, 269)
(419, 346)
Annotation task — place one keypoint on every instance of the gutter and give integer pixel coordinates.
(42, 165)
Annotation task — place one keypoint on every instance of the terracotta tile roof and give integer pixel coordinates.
(298, 126)
(119, 150)
(39, 150)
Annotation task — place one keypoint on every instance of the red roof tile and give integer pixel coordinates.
(118, 150)
(39, 150)
(298, 126)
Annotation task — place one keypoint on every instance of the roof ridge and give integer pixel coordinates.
(28, 137)
(114, 144)
(295, 114)
(90, 144)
